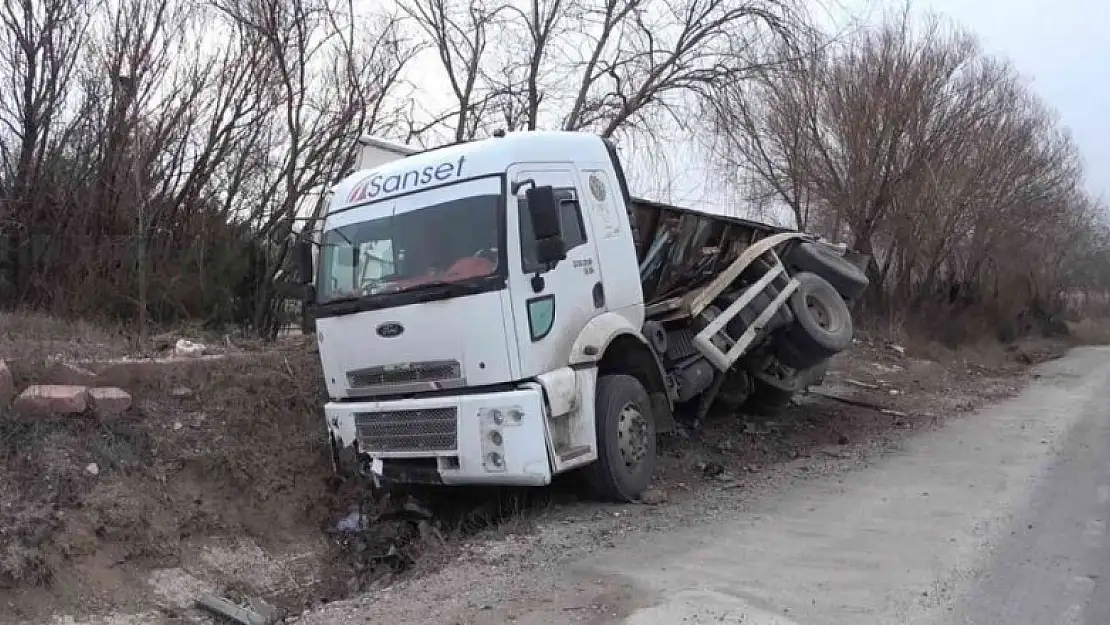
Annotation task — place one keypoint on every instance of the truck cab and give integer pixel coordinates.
(480, 318)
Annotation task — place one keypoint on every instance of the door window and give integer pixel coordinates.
(571, 227)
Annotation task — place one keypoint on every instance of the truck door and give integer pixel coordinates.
(551, 310)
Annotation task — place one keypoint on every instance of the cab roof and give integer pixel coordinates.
(463, 161)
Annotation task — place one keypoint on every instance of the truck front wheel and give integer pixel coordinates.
(625, 439)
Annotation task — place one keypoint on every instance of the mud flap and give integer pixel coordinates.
(662, 413)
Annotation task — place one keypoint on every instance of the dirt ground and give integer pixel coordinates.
(219, 480)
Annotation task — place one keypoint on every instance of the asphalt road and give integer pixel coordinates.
(997, 517)
(1054, 565)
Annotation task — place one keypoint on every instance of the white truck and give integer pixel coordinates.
(502, 311)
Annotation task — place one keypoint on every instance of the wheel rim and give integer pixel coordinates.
(632, 436)
(821, 314)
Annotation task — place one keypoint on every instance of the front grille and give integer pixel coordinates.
(409, 373)
(429, 429)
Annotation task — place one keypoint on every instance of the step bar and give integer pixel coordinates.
(703, 340)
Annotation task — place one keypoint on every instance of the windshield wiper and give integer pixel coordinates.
(448, 287)
(464, 286)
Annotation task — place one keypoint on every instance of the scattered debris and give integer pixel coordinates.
(181, 391)
(271, 613)
(887, 368)
(861, 384)
(893, 413)
(897, 348)
(413, 507)
(846, 400)
(353, 523)
(189, 349)
(92, 468)
(227, 609)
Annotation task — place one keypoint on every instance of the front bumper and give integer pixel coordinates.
(488, 438)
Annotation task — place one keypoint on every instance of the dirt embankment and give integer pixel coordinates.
(218, 479)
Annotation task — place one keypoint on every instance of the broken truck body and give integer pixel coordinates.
(503, 311)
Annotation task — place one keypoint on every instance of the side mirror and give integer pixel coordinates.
(550, 251)
(308, 319)
(543, 209)
(302, 252)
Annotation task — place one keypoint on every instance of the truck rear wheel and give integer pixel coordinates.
(822, 323)
(625, 439)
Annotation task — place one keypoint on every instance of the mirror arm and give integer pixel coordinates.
(519, 184)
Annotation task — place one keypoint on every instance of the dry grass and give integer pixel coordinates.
(37, 337)
(1090, 331)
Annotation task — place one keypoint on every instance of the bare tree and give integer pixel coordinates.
(460, 36)
(909, 143)
(324, 83)
(602, 65)
(39, 48)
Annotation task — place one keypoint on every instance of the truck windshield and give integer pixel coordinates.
(449, 242)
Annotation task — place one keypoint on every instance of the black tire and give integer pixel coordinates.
(846, 278)
(822, 323)
(612, 477)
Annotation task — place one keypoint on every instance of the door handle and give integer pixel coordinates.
(599, 295)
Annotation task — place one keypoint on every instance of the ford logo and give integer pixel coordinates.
(390, 329)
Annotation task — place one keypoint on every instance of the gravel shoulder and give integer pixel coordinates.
(809, 501)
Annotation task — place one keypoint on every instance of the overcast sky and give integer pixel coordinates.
(1060, 46)
(1063, 48)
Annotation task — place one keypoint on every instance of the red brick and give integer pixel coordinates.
(53, 399)
(109, 401)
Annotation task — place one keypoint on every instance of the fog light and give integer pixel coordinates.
(495, 459)
(497, 417)
(495, 438)
(516, 415)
